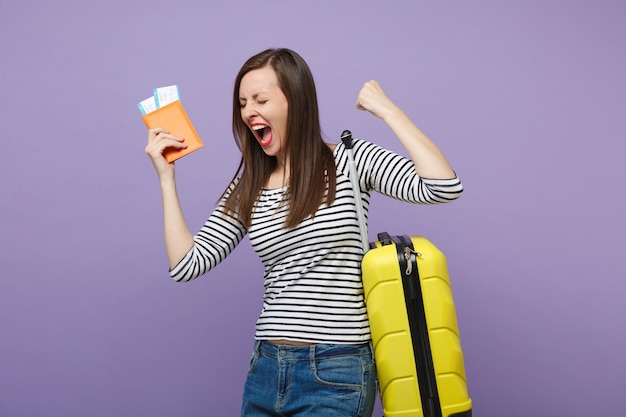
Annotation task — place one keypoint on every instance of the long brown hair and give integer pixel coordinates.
(312, 180)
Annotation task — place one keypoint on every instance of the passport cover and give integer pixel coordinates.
(173, 118)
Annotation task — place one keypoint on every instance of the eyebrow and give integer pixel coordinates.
(254, 96)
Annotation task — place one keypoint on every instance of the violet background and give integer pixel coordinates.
(525, 98)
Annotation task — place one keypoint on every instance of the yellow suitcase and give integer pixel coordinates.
(416, 340)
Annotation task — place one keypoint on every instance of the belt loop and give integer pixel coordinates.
(312, 357)
(371, 343)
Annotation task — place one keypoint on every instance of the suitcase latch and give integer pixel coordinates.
(407, 256)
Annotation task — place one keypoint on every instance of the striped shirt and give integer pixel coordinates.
(312, 279)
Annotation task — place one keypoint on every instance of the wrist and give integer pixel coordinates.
(167, 181)
(393, 114)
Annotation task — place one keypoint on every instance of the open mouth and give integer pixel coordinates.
(263, 134)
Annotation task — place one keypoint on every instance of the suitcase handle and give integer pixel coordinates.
(385, 239)
(346, 138)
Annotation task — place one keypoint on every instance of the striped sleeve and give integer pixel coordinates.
(217, 238)
(395, 176)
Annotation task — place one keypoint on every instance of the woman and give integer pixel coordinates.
(292, 196)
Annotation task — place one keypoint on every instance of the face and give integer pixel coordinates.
(264, 109)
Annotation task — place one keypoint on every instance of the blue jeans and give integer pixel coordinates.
(317, 380)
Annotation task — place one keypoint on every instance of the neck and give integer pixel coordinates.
(279, 177)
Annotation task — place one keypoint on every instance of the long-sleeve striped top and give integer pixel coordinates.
(312, 279)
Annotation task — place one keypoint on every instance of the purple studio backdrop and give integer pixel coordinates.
(525, 98)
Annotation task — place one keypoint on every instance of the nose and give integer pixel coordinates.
(248, 112)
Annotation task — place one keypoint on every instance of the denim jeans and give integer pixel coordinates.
(317, 380)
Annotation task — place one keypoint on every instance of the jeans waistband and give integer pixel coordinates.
(290, 352)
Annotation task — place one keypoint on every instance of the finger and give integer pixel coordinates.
(155, 150)
(373, 83)
(361, 101)
(174, 142)
(359, 98)
(358, 103)
(156, 131)
(165, 136)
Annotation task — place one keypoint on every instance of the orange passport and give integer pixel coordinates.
(173, 117)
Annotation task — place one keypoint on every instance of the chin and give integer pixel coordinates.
(270, 149)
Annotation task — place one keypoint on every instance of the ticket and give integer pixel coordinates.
(148, 105)
(165, 95)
